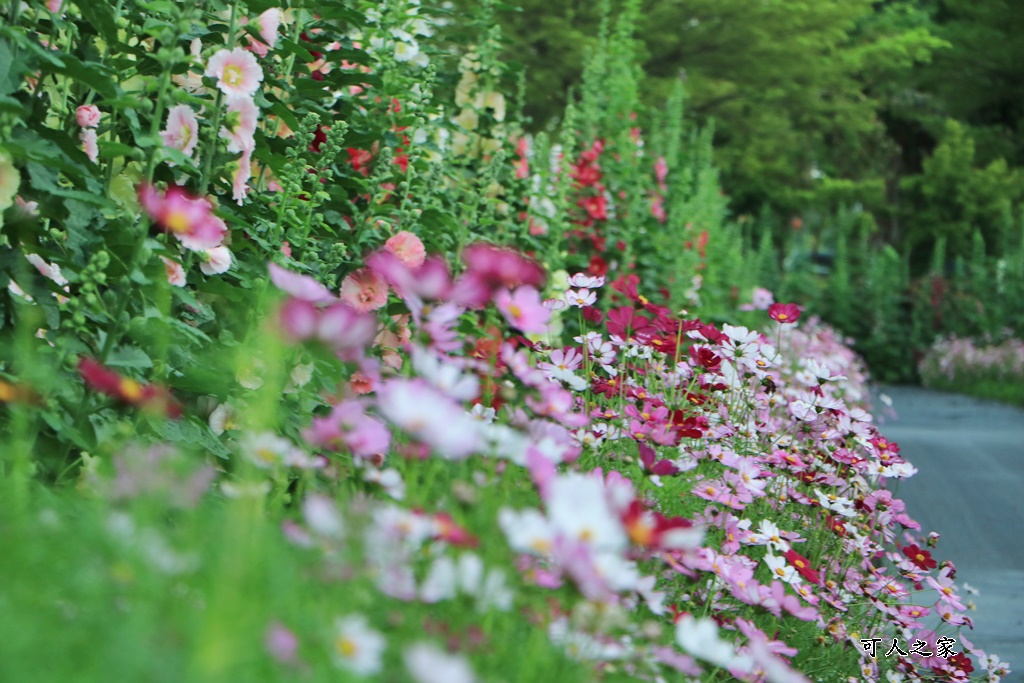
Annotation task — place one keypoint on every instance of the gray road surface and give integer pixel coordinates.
(970, 489)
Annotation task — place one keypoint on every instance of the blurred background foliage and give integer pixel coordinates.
(907, 108)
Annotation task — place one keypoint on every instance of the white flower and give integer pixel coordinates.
(321, 515)
(578, 508)
(215, 261)
(357, 647)
(527, 531)
(699, 637)
(781, 569)
(428, 664)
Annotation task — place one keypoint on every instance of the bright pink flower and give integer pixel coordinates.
(175, 273)
(215, 261)
(523, 309)
(364, 290)
(784, 313)
(408, 248)
(237, 72)
(429, 416)
(498, 267)
(190, 219)
(348, 426)
(88, 116)
(182, 132)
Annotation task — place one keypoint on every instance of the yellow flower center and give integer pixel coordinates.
(176, 222)
(346, 647)
(233, 75)
(130, 390)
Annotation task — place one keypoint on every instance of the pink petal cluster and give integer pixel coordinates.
(182, 131)
(190, 219)
(237, 72)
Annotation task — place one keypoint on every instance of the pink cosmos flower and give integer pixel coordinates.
(88, 116)
(182, 132)
(364, 290)
(89, 144)
(190, 219)
(523, 309)
(408, 248)
(348, 426)
(237, 72)
(175, 273)
(241, 120)
(429, 416)
(216, 260)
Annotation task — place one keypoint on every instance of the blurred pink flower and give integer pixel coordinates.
(408, 248)
(269, 22)
(237, 72)
(240, 178)
(523, 309)
(281, 643)
(300, 286)
(190, 219)
(175, 273)
(364, 290)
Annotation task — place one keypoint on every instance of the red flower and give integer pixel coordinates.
(784, 313)
(803, 566)
(920, 557)
(104, 380)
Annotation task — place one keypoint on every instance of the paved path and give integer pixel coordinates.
(969, 488)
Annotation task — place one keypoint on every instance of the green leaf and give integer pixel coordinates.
(100, 16)
(129, 357)
(91, 74)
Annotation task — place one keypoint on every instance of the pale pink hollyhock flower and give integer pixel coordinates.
(429, 664)
(269, 22)
(216, 261)
(89, 144)
(48, 270)
(175, 273)
(364, 290)
(88, 116)
(182, 131)
(241, 120)
(240, 179)
(408, 248)
(190, 219)
(237, 72)
(523, 309)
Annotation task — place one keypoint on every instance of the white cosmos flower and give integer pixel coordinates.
(699, 637)
(357, 647)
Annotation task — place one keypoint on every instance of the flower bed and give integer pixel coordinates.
(986, 369)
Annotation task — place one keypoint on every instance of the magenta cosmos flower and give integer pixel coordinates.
(784, 313)
(237, 72)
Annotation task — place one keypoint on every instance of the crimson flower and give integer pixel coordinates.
(803, 566)
(920, 557)
(784, 313)
(127, 390)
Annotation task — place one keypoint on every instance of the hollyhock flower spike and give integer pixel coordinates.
(785, 314)
(237, 72)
